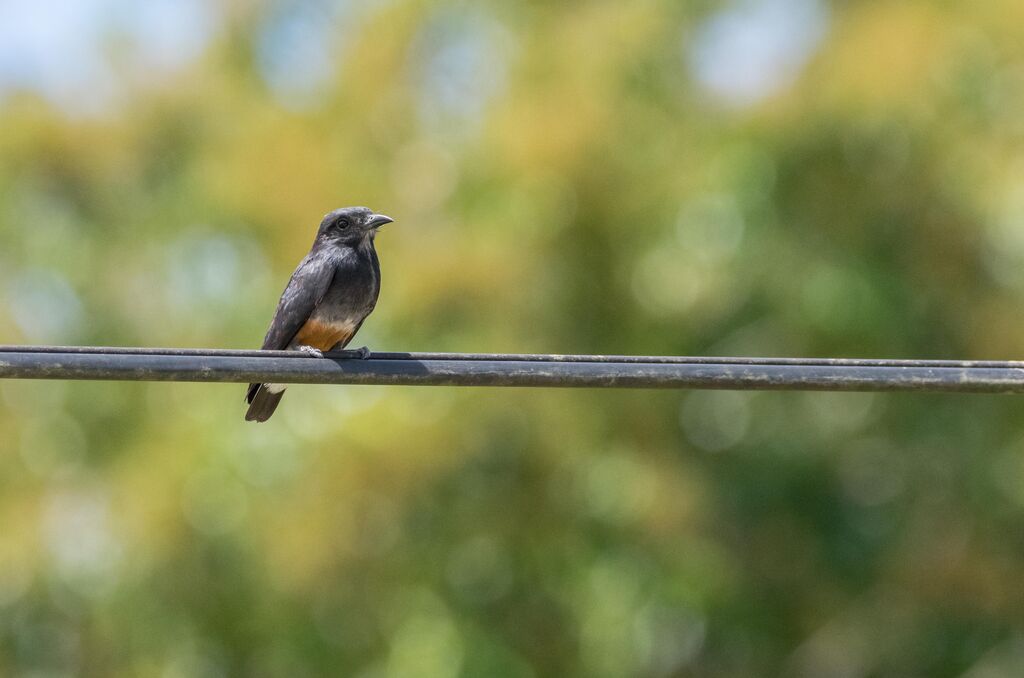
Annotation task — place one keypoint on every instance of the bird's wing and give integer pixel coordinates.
(305, 290)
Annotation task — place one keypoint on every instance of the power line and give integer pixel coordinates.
(483, 369)
(516, 357)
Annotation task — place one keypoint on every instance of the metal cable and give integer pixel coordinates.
(482, 369)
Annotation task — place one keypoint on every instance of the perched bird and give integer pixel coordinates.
(327, 299)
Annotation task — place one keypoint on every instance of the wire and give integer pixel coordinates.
(484, 369)
(517, 357)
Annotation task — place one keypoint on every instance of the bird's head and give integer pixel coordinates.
(351, 225)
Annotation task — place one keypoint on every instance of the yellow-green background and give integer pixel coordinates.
(565, 177)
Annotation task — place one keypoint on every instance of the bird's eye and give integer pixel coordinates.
(342, 223)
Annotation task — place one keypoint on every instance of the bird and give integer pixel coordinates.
(332, 291)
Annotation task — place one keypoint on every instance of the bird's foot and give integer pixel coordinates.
(364, 352)
(311, 352)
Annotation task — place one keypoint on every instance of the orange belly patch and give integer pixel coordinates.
(323, 335)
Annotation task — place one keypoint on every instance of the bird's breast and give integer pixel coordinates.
(349, 299)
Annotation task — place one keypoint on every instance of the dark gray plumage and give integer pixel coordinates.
(328, 297)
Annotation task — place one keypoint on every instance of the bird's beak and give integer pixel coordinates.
(378, 220)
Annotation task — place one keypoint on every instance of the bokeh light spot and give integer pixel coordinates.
(752, 48)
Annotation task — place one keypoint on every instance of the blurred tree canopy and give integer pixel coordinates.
(763, 178)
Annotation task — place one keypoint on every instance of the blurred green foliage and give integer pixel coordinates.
(562, 181)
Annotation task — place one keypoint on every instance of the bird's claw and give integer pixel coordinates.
(364, 352)
(312, 352)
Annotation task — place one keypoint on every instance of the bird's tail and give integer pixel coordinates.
(262, 402)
